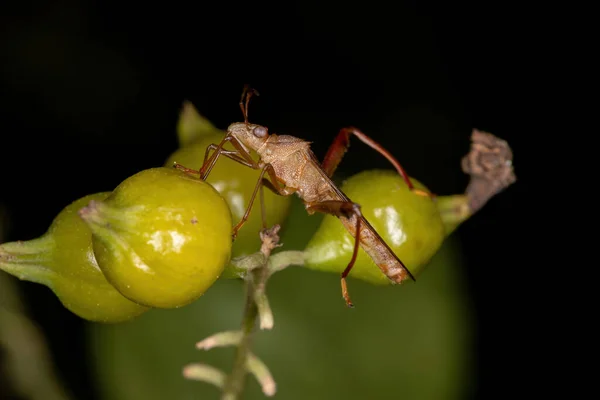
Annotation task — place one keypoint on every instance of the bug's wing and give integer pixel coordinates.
(370, 241)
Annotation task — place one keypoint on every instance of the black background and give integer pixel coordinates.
(91, 94)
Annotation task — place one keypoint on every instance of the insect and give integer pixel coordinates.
(293, 168)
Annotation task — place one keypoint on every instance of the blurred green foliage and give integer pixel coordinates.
(410, 341)
(26, 365)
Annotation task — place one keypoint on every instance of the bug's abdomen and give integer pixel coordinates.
(376, 248)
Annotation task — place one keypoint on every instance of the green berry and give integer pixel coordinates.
(408, 222)
(161, 238)
(236, 184)
(63, 260)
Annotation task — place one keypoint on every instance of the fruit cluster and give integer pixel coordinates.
(162, 237)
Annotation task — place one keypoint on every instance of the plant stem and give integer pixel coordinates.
(234, 385)
(255, 282)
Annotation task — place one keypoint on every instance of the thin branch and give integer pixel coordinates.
(255, 283)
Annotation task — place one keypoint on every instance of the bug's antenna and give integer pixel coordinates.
(247, 94)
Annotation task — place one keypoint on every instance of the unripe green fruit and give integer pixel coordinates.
(63, 260)
(236, 184)
(161, 238)
(409, 223)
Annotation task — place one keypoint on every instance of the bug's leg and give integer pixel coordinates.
(232, 154)
(268, 168)
(208, 165)
(348, 210)
(235, 156)
(241, 156)
(263, 209)
(240, 151)
(189, 171)
(281, 191)
(224, 152)
(340, 145)
(274, 187)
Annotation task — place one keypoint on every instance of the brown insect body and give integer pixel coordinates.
(293, 168)
(297, 168)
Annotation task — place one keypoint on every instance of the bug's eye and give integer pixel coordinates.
(260, 131)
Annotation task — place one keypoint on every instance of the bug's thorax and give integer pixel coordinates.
(289, 157)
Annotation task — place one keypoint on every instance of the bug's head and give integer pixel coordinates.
(250, 135)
